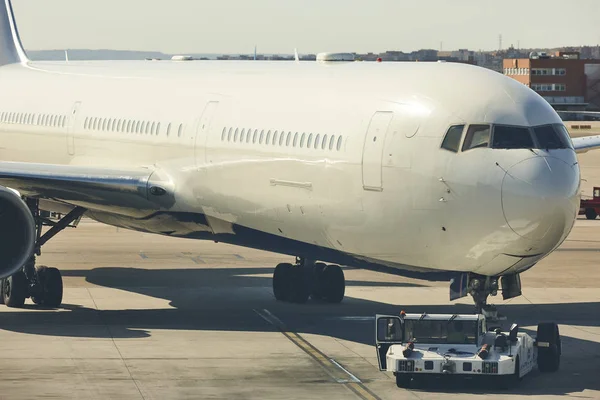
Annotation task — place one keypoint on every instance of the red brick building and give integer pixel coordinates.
(564, 80)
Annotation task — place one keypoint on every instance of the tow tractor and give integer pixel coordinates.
(591, 207)
(423, 346)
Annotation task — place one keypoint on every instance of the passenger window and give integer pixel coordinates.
(302, 139)
(158, 128)
(510, 137)
(268, 141)
(236, 135)
(229, 134)
(262, 136)
(281, 138)
(339, 143)
(452, 139)
(331, 141)
(324, 143)
(242, 135)
(309, 143)
(295, 139)
(153, 128)
(255, 136)
(275, 138)
(550, 138)
(249, 135)
(477, 136)
(180, 130)
(317, 140)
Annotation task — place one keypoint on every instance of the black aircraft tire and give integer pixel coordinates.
(15, 289)
(334, 284)
(51, 285)
(282, 281)
(548, 359)
(318, 291)
(300, 285)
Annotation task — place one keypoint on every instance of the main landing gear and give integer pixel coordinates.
(295, 283)
(43, 284)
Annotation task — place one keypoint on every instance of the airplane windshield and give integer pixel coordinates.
(441, 332)
(511, 137)
(552, 137)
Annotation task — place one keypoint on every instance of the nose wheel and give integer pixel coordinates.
(295, 283)
(480, 288)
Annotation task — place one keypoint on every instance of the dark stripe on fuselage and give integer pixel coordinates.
(196, 226)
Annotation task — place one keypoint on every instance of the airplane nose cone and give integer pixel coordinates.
(540, 198)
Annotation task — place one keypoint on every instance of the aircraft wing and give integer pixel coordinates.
(90, 187)
(586, 143)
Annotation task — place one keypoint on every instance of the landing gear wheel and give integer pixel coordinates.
(51, 287)
(15, 289)
(549, 347)
(333, 283)
(282, 281)
(300, 285)
(403, 380)
(318, 291)
(590, 213)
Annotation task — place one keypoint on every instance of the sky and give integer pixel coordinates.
(311, 26)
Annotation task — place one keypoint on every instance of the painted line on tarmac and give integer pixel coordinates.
(143, 255)
(332, 368)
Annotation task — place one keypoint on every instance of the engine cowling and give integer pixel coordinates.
(17, 232)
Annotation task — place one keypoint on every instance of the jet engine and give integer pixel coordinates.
(17, 232)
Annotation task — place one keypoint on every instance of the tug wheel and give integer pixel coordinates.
(403, 380)
(549, 347)
(590, 213)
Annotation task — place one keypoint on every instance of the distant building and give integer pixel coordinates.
(565, 80)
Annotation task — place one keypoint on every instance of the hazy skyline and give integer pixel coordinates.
(311, 26)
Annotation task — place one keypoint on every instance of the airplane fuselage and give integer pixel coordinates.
(339, 162)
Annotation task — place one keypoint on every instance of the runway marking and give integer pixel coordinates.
(239, 257)
(198, 260)
(143, 255)
(332, 368)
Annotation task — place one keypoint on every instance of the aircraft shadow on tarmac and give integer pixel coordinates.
(224, 299)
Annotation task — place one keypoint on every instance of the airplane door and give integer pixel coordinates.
(373, 150)
(203, 130)
(71, 128)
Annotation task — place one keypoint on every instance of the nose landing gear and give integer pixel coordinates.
(480, 287)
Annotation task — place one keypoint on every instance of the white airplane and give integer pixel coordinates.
(428, 169)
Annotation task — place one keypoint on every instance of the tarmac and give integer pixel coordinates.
(151, 317)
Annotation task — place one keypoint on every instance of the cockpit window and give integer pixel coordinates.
(452, 139)
(477, 136)
(511, 137)
(552, 137)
